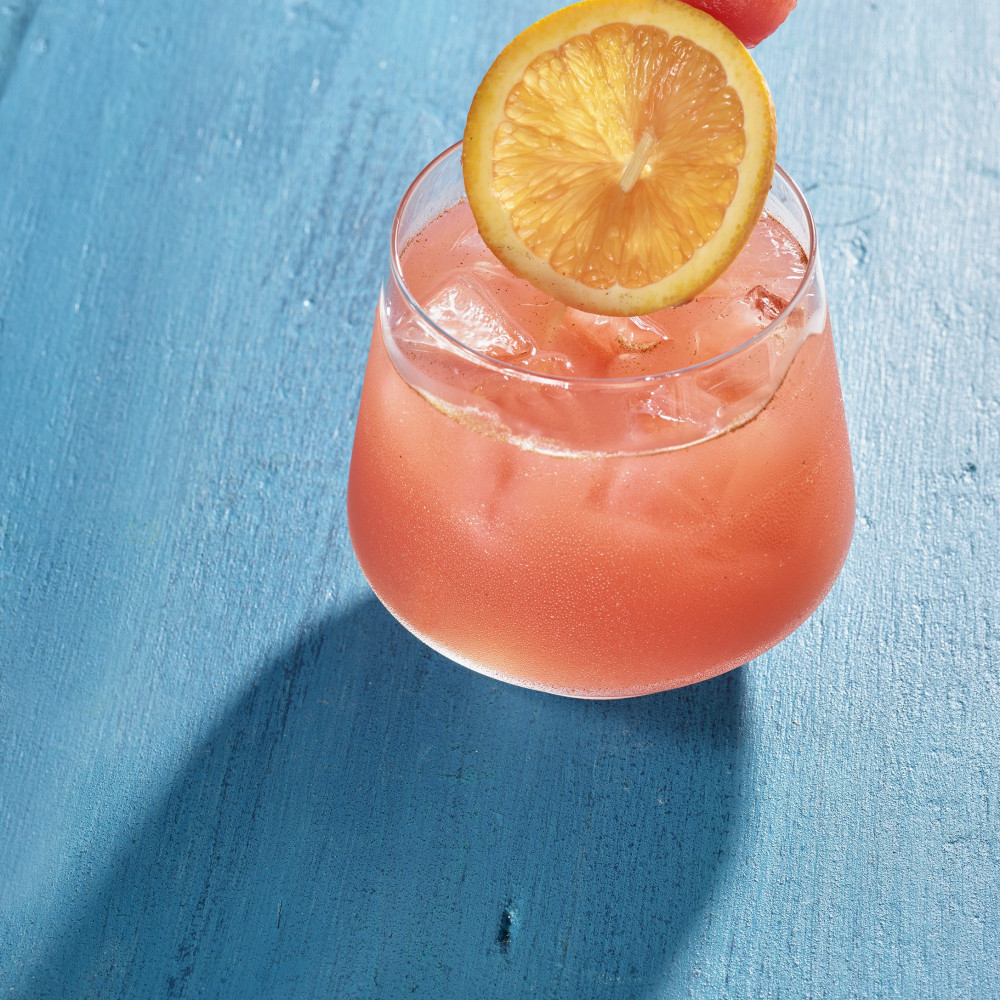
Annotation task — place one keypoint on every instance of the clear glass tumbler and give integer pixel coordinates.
(607, 537)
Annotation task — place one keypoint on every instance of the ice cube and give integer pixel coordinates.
(468, 245)
(765, 304)
(610, 346)
(672, 412)
(549, 363)
(638, 335)
(772, 254)
(735, 321)
(467, 308)
(678, 401)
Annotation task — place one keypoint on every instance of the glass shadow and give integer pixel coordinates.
(371, 820)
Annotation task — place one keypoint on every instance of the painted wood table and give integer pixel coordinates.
(225, 771)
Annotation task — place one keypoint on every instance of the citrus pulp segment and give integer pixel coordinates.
(618, 153)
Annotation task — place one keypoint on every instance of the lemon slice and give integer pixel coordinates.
(618, 153)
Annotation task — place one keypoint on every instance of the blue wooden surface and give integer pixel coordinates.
(226, 772)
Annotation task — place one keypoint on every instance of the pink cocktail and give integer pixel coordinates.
(598, 506)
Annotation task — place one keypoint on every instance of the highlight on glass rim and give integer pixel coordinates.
(601, 448)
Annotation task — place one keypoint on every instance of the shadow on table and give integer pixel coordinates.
(370, 820)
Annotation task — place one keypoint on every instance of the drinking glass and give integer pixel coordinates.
(597, 537)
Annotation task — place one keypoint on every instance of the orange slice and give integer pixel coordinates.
(618, 153)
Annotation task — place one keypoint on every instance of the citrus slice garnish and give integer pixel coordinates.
(618, 153)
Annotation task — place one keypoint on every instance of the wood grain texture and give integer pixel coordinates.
(225, 771)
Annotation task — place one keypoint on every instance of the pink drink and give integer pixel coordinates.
(590, 505)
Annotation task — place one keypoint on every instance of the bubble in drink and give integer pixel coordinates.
(467, 303)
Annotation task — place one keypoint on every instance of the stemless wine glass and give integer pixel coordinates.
(596, 537)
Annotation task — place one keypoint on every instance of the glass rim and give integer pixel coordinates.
(509, 368)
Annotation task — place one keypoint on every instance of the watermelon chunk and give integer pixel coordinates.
(750, 20)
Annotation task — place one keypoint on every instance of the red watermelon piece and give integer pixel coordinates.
(750, 20)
